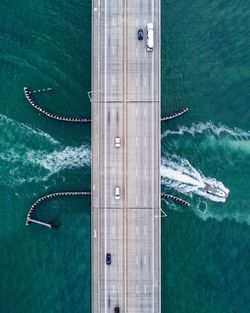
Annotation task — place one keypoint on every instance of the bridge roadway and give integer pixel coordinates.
(125, 103)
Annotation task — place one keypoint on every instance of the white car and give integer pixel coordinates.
(150, 37)
(117, 142)
(117, 193)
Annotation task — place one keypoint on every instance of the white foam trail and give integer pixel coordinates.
(180, 175)
(35, 166)
(18, 129)
(209, 127)
(54, 162)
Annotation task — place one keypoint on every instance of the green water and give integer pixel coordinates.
(205, 66)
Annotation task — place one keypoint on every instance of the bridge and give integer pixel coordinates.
(125, 232)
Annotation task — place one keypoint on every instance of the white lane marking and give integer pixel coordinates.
(145, 112)
(113, 80)
(145, 229)
(113, 171)
(145, 141)
(136, 22)
(93, 186)
(145, 259)
(145, 200)
(136, 82)
(136, 201)
(113, 200)
(145, 81)
(136, 112)
(145, 53)
(113, 112)
(95, 233)
(137, 260)
(113, 230)
(136, 230)
(145, 288)
(113, 50)
(136, 141)
(145, 171)
(136, 171)
(137, 288)
(113, 21)
(113, 288)
(136, 52)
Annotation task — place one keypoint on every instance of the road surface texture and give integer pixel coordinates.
(125, 104)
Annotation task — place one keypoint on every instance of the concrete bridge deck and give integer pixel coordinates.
(125, 103)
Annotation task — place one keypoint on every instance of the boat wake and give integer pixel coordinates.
(29, 155)
(209, 128)
(179, 174)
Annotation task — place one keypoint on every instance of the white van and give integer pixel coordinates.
(150, 37)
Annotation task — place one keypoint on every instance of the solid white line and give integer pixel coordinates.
(145, 259)
(113, 288)
(113, 21)
(95, 233)
(145, 171)
(113, 50)
(145, 288)
(137, 288)
(105, 151)
(113, 80)
(113, 230)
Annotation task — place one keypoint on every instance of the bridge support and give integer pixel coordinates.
(177, 199)
(174, 115)
(28, 95)
(38, 202)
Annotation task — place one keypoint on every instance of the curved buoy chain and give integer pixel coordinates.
(29, 218)
(179, 200)
(174, 115)
(28, 95)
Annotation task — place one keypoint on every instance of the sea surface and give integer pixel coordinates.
(205, 67)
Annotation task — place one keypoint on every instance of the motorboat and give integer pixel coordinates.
(215, 191)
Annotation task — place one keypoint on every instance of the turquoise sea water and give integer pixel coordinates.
(205, 66)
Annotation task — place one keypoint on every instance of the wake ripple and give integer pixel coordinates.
(31, 155)
(210, 128)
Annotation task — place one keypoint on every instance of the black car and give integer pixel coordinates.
(108, 258)
(140, 34)
(117, 309)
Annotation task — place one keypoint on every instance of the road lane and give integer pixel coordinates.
(125, 103)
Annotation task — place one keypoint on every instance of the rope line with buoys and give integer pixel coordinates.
(28, 95)
(179, 200)
(29, 218)
(174, 115)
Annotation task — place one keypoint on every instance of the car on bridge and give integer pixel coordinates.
(108, 258)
